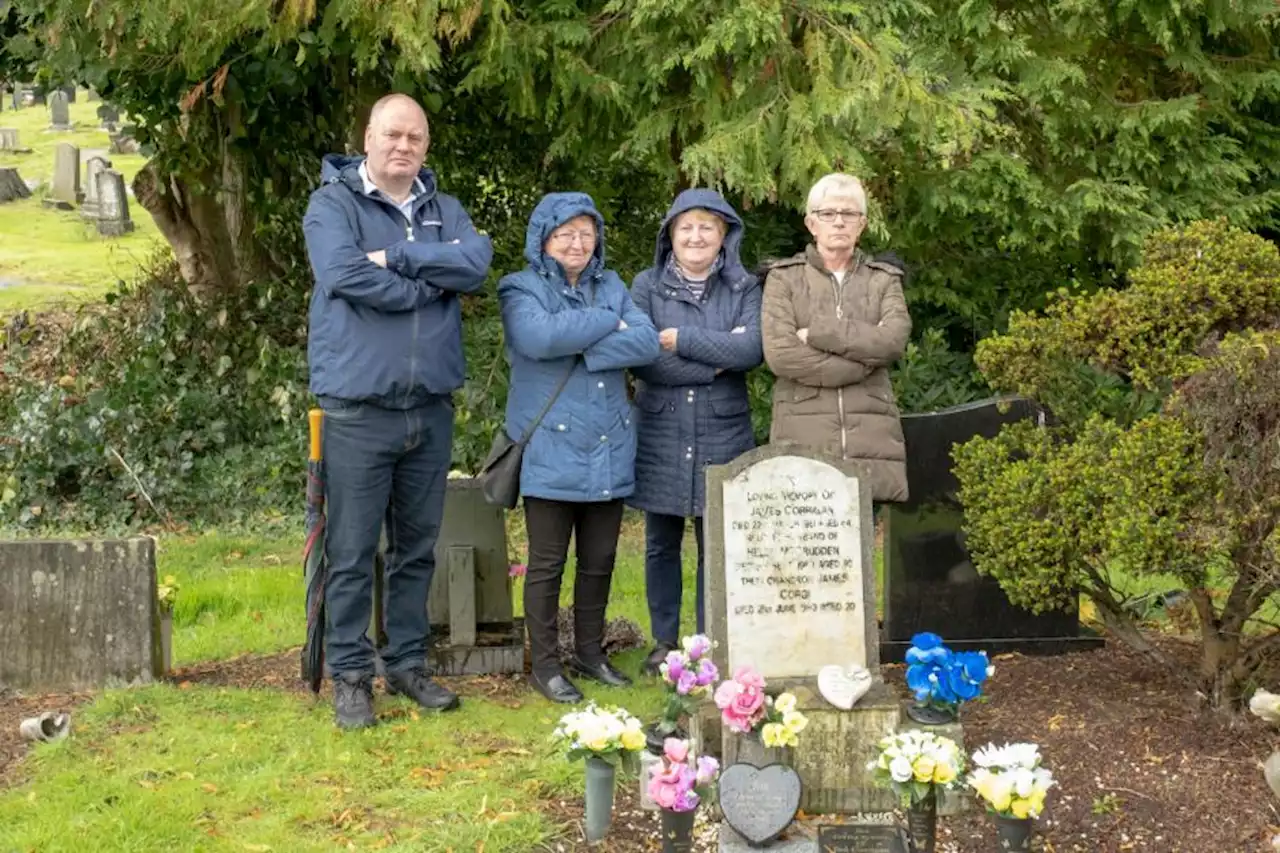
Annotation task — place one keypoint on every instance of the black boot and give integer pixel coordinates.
(353, 700)
(656, 657)
(417, 684)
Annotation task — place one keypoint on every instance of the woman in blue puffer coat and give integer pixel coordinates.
(565, 314)
(691, 402)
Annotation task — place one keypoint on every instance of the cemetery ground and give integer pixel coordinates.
(50, 256)
(231, 752)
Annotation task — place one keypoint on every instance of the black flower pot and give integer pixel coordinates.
(922, 824)
(930, 715)
(1014, 834)
(653, 739)
(677, 831)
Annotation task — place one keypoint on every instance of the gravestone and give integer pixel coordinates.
(91, 208)
(862, 838)
(123, 143)
(759, 803)
(10, 141)
(473, 628)
(78, 613)
(930, 583)
(60, 111)
(12, 187)
(65, 193)
(113, 203)
(109, 115)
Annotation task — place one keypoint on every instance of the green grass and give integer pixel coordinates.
(53, 256)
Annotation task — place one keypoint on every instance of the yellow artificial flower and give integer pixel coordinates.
(633, 739)
(772, 734)
(1037, 801)
(789, 737)
(1021, 808)
(923, 768)
(794, 721)
(785, 703)
(996, 791)
(943, 773)
(598, 745)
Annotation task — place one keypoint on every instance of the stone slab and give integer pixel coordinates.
(78, 613)
(796, 841)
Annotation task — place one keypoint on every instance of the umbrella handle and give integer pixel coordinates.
(314, 419)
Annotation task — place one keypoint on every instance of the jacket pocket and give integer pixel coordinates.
(800, 393)
(342, 410)
(729, 407)
(651, 402)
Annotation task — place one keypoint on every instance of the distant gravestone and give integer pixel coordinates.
(109, 115)
(59, 111)
(792, 579)
(113, 202)
(10, 142)
(930, 582)
(759, 803)
(122, 143)
(12, 187)
(65, 193)
(78, 613)
(91, 208)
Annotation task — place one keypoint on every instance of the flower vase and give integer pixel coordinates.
(599, 796)
(922, 823)
(677, 831)
(1014, 834)
(751, 750)
(933, 715)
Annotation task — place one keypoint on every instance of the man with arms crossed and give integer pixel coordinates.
(390, 256)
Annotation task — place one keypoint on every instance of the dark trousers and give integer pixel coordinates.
(663, 575)
(594, 527)
(382, 466)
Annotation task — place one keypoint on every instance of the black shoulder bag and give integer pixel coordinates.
(500, 474)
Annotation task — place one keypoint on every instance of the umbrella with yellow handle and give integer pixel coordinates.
(315, 567)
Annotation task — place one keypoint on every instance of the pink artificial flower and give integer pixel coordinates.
(675, 749)
(708, 767)
(686, 683)
(707, 672)
(663, 794)
(741, 700)
(517, 570)
(699, 645)
(675, 666)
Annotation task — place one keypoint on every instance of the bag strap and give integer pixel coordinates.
(533, 425)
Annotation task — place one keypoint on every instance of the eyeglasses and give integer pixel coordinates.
(846, 215)
(565, 238)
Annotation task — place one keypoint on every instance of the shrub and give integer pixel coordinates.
(1167, 462)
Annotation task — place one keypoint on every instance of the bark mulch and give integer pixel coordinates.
(1140, 765)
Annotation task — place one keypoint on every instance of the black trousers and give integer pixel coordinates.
(594, 527)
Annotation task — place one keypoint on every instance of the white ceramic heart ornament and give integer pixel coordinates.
(841, 687)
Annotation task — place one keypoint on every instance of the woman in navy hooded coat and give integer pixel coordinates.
(691, 403)
(565, 314)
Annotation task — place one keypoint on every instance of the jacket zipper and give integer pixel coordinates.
(844, 440)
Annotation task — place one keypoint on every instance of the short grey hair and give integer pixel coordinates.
(839, 185)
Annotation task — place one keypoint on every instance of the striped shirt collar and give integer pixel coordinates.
(370, 188)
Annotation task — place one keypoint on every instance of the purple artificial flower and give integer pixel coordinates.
(517, 570)
(708, 767)
(699, 645)
(707, 672)
(686, 682)
(686, 801)
(675, 666)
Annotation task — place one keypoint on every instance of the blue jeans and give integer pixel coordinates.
(663, 575)
(393, 466)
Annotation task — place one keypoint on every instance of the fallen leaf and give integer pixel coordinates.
(1056, 721)
(209, 788)
(185, 685)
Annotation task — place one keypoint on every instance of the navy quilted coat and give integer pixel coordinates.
(688, 416)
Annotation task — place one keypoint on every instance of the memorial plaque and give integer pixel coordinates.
(759, 802)
(792, 571)
(862, 838)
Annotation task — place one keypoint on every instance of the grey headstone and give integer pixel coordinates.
(8, 139)
(70, 92)
(109, 115)
(66, 176)
(759, 803)
(12, 187)
(60, 111)
(790, 571)
(122, 143)
(113, 202)
(78, 613)
(91, 208)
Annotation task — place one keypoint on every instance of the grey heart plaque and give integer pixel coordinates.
(759, 802)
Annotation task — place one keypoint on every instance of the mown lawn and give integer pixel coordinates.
(49, 256)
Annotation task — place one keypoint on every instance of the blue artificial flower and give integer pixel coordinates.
(927, 647)
(973, 664)
(963, 688)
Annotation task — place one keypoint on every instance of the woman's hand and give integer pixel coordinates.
(667, 339)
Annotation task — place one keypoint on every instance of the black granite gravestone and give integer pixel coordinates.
(862, 838)
(759, 802)
(929, 582)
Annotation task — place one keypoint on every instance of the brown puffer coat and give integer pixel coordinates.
(832, 394)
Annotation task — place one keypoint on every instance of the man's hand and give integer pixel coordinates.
(379, 258)
(667, 339)
(803, 335)
(739, 330)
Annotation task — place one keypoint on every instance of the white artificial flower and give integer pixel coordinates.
(900, 770)
(1266, 705)
(1022, 755)
(990, 756)
(1023, 780)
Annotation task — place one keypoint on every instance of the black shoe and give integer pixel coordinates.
(353, 700)
(557, 688)
(656, 658)
(602, 672)
(417, 684)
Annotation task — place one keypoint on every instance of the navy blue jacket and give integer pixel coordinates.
(689, 416)
(391, 337)
(584, 449)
